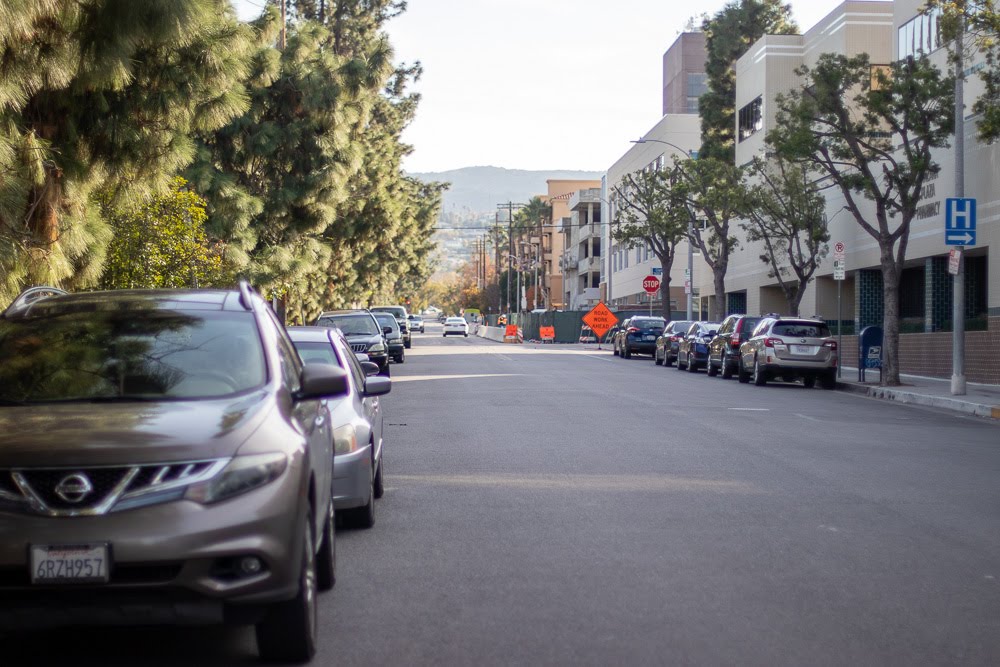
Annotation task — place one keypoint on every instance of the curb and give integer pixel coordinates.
(914, 398)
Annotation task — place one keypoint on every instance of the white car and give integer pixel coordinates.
(456, 325)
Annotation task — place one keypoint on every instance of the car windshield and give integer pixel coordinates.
(395, 311)
(387, 320)
(455, 320)
(353, 324)
(680, 326)
(801, 329)
(129, 354)
(317, 351)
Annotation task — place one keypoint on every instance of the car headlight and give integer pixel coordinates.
(345, 439)
(242, 474)
(376, 347)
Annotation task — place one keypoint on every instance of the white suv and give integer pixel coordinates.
(790, 349)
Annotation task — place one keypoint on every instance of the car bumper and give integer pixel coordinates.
(457, 332)
(647, 346)
(396, 349)
(799, 369)
(170, 563)
(352, 478)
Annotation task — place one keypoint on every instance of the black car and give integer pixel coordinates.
(724, 350)
(362, 331)
(393, 336)
(692, 353)
(668, 342)
(638, 335)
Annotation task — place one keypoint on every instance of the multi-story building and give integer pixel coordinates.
(886, 31)
(560, 191)
(684, 78)
(581, 259)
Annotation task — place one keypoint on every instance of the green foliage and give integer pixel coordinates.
(787, 214)
(729, 33)
(871, 132)
(162, 243)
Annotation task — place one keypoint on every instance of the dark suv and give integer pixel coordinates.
(638, 335)
(362, 331)
(393, 337)
(165, 458)
(724, 350)
(402, 319)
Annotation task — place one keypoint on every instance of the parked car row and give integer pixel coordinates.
(179, 457)
(760, 349)
(381, 332)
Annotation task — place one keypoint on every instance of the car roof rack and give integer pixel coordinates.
(29, 296)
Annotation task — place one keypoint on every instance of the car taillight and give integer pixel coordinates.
(832, 344)
(771, 342)
(633, 330)
(734, 343)
(675, 338)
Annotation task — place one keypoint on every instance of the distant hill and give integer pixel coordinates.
(482, 188)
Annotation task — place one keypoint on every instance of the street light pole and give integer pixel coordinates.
(958, 283)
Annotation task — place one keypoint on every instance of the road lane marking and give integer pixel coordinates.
(812, 419)
(416, 378)
(634, 483)
(750, 409)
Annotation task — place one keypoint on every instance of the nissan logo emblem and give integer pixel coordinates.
(74, 488)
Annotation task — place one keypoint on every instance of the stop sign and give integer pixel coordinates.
(651, 284)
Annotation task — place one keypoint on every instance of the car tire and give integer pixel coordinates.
(364, 516)
(656, 359)
(742, 374)
(379, 486)
(626, 352)
(466, 335)
(711, 370)
(407, 344)
(384, 370)
(326, 557)
(726, 370)
(614, 349)
(680, 366)
(759, 378)
(287, 632)
(692, 366)
(828, 381)
(444, 335)
(809, 381)
(667, 361)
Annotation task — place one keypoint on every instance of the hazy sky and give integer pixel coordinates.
(539, 84)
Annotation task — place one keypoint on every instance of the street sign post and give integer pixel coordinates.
(839, 273)
(960, 221)
(600, 320)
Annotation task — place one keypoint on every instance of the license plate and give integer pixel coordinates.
(803, 349)
(649, 337)
(69, 564)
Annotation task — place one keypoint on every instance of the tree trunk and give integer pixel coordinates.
(794, 299)
(890, 317)
(718, 308)
(667, 263)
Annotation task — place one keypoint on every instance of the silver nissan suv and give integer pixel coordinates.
(790, 349)
(165, 458)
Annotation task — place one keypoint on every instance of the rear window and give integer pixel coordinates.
(311, 352)
(680, 326)
(359, 324)
(747, 324)
(801, 329)
(648, 323)
(387, 320)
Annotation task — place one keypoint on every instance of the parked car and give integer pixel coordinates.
(356, 421)
(611, 336)
(638, 335)
(668, 342)
(165, 457)
(399, 312)
(456, 326)
(363, 332)
(393, 336)
(416, 323)
(724, 350)
(692, 351)
(790, 349)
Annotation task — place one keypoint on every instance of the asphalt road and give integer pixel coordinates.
(547, 505)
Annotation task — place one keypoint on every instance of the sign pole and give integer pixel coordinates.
(958, 284)
(840, 325)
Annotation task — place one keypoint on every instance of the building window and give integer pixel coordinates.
(751, 119)
(920, 35)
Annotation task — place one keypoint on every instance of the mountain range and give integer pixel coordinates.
(482, 188)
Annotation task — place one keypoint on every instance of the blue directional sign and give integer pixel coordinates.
(959, 221)
(657, 270)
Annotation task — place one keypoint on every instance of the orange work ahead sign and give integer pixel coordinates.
(547, 333)
(510, 331)
(600, 319)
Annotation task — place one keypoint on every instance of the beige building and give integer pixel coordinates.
(558, 196)
(886, 31)
(582, 257)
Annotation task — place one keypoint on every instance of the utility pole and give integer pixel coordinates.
(958, 284)
(510, 206)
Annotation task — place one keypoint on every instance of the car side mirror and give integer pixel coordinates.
(387, 330)
(369, 367)
(377, 386)
(319, 380)
(713, 333)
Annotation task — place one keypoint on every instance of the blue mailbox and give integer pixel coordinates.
(869, 351)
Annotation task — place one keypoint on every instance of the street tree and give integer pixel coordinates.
(647, 214)
(786, 214)
(102, 95)
(728, 35)
(530, 221)
(871, 132)
(980, 23)
(712, 194)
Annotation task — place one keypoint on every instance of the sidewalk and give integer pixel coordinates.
(982, 400)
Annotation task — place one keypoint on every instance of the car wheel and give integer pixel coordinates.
(407, 344)
(626, 352)
(364, 517)
(667, 361)
(614, 349)
(445, 335)
(726, 370)
(384, 370)
(809, 381)
(710, 369)
(326, 557)
(742, 375)
(692, 365)
(656, 359)
(379, 486)
(466, 335)
(829, 380)
(288, 631)
(759, 379)
(680, 366)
